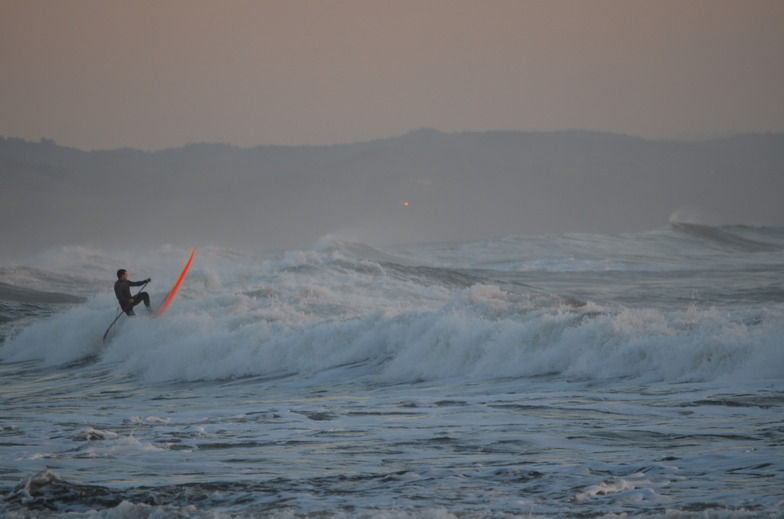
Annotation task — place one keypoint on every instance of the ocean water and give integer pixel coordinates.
(634, 375)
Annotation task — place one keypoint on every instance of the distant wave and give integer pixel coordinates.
(358, 250)
(30, 296)
(735, 237)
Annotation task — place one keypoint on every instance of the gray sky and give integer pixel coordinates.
(151, 74)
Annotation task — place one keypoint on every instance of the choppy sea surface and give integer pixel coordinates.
(633, 375)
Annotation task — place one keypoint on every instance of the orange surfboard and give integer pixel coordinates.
(176, 287)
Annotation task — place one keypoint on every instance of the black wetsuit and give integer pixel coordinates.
(122, 289)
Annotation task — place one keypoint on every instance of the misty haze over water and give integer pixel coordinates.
(422, 186)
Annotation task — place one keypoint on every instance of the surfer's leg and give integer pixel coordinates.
(144, 296)
(138, 299)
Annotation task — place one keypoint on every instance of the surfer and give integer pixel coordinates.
(122, 289)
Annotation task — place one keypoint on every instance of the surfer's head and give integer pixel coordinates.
(121, 273)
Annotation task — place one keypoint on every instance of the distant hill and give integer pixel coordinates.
(457, 186)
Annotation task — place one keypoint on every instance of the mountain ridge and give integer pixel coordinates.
(463, 185)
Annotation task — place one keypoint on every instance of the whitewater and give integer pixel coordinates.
(574, 375)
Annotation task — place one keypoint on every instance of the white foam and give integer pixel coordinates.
(305, 312)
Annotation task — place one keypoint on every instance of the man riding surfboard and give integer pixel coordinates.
(122, 289)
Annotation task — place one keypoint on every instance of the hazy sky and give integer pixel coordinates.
(151, 74)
